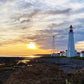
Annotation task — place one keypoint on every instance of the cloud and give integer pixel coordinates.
(54, 3)
(54, 12)
(42, 38)
(36, 20)
(80, 45)
(40, 15)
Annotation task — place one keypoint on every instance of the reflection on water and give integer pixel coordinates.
(16, 61)
(23, 61)
(27, 59)
(29, 65)
(32, 56)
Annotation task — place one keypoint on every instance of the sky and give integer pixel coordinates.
(35, 21)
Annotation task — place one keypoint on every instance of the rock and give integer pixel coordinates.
(40, 73)
(76, 76)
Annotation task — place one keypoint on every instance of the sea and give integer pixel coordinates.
(5, 59)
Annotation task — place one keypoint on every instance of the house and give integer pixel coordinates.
(82, 54)
(62, 53)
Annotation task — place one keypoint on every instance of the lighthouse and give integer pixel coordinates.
(71, 46)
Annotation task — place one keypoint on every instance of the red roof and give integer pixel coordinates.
(82, 51)
(71, 26)
(71, 30)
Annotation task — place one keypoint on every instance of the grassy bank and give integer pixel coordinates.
(77, 57)
(49, 56)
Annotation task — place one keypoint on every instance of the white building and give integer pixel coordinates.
(66, 53)
(62, 53)
(71, 46)
(55, 54)
(82, 54)
(78, 53)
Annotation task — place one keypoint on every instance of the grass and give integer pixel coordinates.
(74, 78)
(49, 56)
(77, 57)
(6, 68)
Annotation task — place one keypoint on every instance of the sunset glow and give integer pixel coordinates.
(31, 46)
(29, 27)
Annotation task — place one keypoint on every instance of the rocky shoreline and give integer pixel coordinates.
(70, 69)
(66, 64)
(40, 73)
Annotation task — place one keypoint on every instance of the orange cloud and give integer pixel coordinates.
(21, 49)
(80, 45)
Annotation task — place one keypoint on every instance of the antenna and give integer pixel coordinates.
(53, 44)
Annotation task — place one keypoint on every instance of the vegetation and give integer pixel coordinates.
(49, 56)
(77, 57)
(8, 63)
(74, 78)
(6, 68)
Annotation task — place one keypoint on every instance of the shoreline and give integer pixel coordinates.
(66, 64)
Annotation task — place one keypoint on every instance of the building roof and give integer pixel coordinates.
(82, 51)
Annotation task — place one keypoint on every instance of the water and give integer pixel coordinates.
(23, 61)
(28, 58)
(32, 56)
(16, 59)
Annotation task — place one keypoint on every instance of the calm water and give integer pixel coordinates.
(28, 58)
(19, 58)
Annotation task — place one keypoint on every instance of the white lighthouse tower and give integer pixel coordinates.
(71, 47)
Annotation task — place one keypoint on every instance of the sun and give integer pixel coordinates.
(31, 46)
